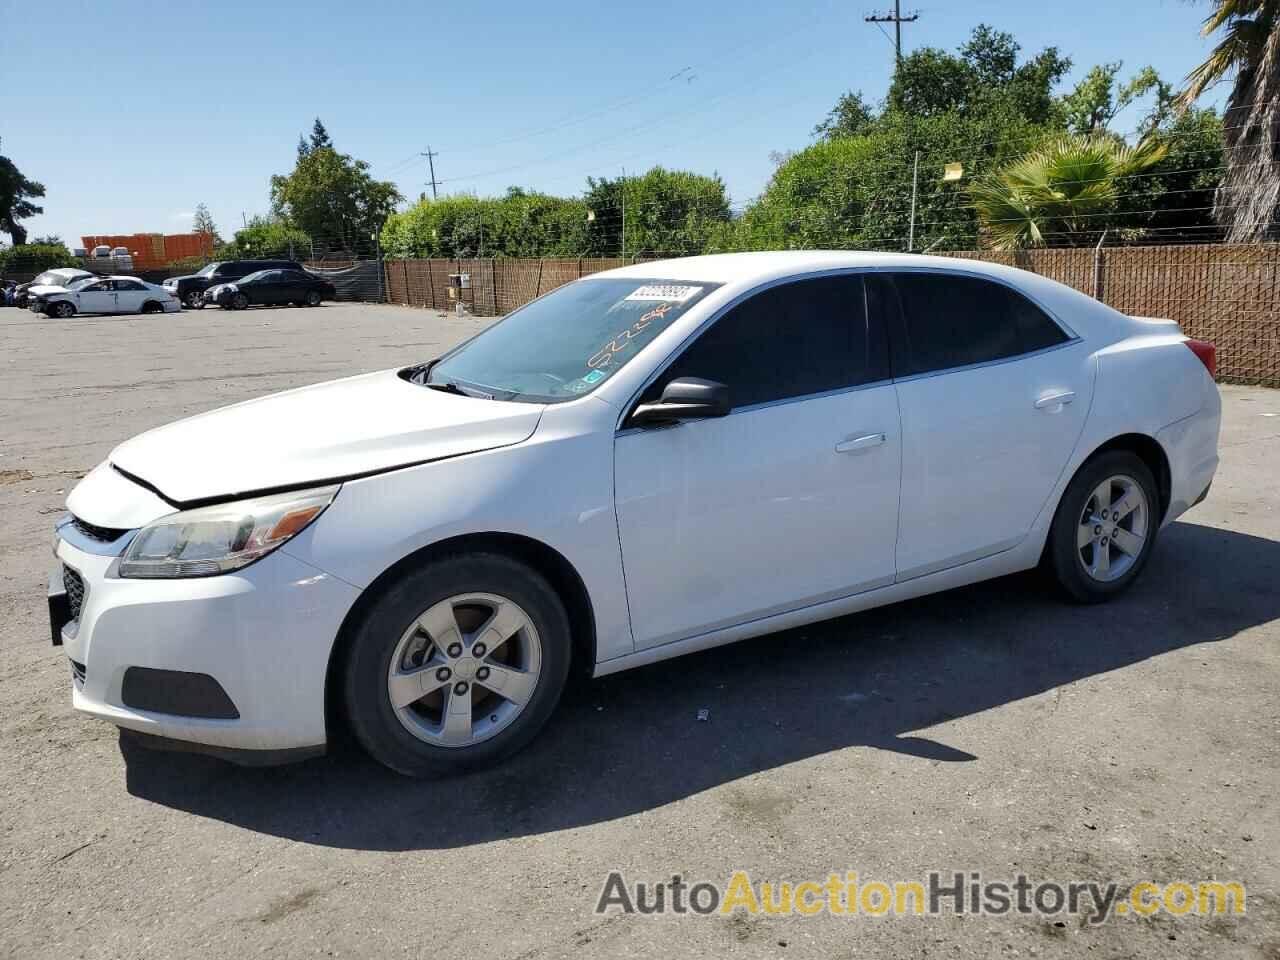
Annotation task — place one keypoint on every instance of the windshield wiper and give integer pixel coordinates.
(447, 387)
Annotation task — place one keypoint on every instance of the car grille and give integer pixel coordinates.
(73, 583)
(78, 672)
(95, 532)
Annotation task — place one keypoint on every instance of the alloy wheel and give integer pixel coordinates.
(1113, 528)
(465, 669)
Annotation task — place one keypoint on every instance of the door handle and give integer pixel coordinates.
(1055, 400)
(860, 443)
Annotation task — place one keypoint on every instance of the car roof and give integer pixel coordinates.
(734, 268)
(66, 270)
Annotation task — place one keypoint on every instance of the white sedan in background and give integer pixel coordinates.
(103, 295)
(643, 463)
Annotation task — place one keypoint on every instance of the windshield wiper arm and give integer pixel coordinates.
(448, 386)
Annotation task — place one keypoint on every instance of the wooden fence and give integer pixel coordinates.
(1227, 294)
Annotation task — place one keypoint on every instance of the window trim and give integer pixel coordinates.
(621, 429)
(1072, 336)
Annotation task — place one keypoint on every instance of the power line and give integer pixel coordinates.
(897, 19)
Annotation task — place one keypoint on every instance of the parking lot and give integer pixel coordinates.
(991, 729)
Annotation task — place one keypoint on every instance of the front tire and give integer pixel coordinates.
(62, 310)
(313, 299)
(194, 300)
(457, 665)
(1105, 527)
(240, 302)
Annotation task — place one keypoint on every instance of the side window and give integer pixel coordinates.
(1036, 329)
(129, 285)
(791, 340)
(947, 321)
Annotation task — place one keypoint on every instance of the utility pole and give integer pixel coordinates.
(431, 155)
(623, 192)
(915, 186)
(897, 19)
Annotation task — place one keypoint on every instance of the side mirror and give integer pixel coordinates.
(686, 398)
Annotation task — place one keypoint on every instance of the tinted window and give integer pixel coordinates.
(1036, 329)
(129, 285)
(788, 341)
(943, 321)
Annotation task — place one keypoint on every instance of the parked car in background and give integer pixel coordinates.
(190, 289)
(271, 287)
(644, 463)
(59, 277)
(104, 295)
(112, 258)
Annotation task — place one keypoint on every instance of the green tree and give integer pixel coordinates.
(331, 197)
(1058, 193)
(202, 223)
(31, 258)
(48, 240)
(1247, 202)
(984, 75)
(319, 137)
(855, 192)
(266, 237)
(666, 213)
(1096, 100)
(850, 117)
(16, 194)
(520, 224)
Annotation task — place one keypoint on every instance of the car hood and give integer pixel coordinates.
(330, 431)
(189, 276)
(41, 288)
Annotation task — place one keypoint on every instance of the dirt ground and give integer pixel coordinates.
(989, 729)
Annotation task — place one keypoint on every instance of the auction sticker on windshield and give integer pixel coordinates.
(667, 292)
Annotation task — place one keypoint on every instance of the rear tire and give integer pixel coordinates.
(152, 307)
(1105, 527)
(461, 722)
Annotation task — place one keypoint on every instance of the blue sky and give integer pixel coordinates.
(139, 111)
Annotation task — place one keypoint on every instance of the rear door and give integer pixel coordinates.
(130, 295)
(788, 501)
(994, 394)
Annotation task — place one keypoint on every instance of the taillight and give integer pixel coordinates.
(1207, 353)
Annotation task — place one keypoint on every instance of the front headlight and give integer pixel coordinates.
(213, 540)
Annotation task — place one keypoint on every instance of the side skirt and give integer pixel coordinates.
(1023, 557)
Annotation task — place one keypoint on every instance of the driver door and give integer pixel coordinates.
(791, 499)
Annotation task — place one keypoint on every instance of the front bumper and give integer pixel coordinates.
(262, 635)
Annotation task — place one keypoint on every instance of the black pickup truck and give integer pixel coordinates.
(190, 290)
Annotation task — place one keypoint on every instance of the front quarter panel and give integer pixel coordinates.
(556, 488)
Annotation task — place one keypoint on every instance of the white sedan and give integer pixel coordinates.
(103, 295)
(644, 463)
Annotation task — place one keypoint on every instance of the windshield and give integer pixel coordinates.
(80, 281)
(51, 279)
(569, 342)
(208, 271)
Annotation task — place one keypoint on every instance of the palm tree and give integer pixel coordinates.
(1062, 191)
(1248, 199)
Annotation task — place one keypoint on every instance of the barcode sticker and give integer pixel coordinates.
(666, 292)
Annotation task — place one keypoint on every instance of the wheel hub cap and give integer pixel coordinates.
(464, 669)
(1112, 531)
